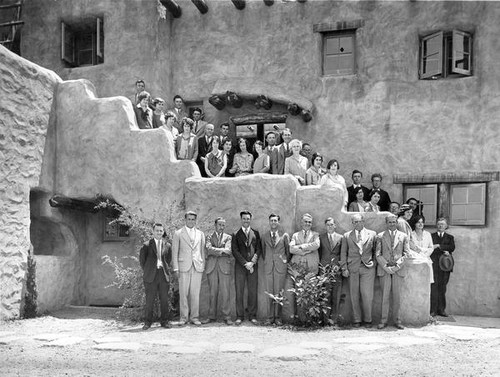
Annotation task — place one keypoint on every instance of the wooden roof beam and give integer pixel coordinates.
(172, 7)
(239, 4)
(201, 5)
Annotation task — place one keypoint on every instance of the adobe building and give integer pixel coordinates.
(407, 89)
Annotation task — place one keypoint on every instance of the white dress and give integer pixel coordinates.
(330, 181)
(422, 248)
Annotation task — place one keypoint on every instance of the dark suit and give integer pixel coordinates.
(218, 267)
(246, 250)
(155, 279)
(352, 194)
(204, 148)
(441, 278)
(278, 158)
(144, 118)
(329, 253)
(385, 200)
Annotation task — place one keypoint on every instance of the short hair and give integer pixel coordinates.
(187, 121)
(215, 138)
(197, 109)
(270, 133)
(169, 114)
(356, 171)
(358, 189)
(295, 142)
(404, 208)
(331, 162)
(391, 216)
(239, 141)
(408, 201)
(442, 219)
(417, 218)
(329, 219)
(190, 213)
(157, 100)
(227, 141)
(220, 218)
(178, 96)
(357, 216)
(258, 142)
(224, 124)
(274, 215)
(142, 95)
(308, 215)
(304, 144)
(376, 175)
(373, 192)
(395, 203)
(140, 82)
(245, 212)
(286, 129)
(158, 224)
(315, 156)
(209, 124)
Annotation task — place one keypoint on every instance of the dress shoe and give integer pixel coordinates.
(165, 325)
(206, 321)
(381, 326)
(433, 314)
(254, 321)
(229, 322)
(443, 314)
(356, 325)
(399, 326)
(178, 323)
(238, 322)
(196, 322)
(368, 325)
(268, 323)
(146, 326)
(278, 322)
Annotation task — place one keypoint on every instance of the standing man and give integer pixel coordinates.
(140, 86)
(306, 151)
(357, 260)
(281, 152)
(356, 183)
(199, 124)
(275, 253)
(393, 248)
(188, 261)
(246, 247)
(218, 269)
(153, 258)
(179, 112)
(385, 200)
(329, 254)
(143, 114)
(444, 246)
(204, 147)
(305, 244)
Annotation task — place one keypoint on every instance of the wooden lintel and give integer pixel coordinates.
(201, 5)
(259, 118)
(239, 4)
(85, 205)
(269, 2)
(172, 7)
(462, 177)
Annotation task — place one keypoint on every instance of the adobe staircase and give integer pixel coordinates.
(10, 24)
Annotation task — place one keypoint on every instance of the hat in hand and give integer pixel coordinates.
(446, 262)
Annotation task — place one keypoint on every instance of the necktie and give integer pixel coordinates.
(196, 127)
(358, 238)
(392, 237)
(305, 234)
(330, 238)
(273, 238)
(219, 237)
(158, 247)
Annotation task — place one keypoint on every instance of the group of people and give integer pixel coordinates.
(360, 255)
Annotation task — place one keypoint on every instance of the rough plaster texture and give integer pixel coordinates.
(26, 93)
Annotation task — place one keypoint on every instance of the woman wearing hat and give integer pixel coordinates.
(405, 213)
(421, 244)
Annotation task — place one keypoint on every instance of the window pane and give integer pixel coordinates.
(429, 211)
(332, 45)
(462, 60)
(475, 194)
(459, 195)
(345, 63)
(428, 195)
(431, 64)
(331, 64)
(345, 45)
(475, 212)
(458, 213)
(432, 46)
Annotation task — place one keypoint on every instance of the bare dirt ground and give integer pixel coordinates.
(65, 344)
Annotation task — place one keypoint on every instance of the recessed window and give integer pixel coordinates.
(427, 197)
(339, 53)
(446, 55)
(82, 44)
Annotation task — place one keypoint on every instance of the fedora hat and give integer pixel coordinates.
(446, 262)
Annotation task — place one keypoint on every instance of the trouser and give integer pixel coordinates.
(189, 287)
(275, 282)
(218, 284)
(159, 286)
(438, 289)
(334, 291)
(391, 283)
(241, 277)
(361, 283)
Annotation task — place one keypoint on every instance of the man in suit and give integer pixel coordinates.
(153, 258)
(218, 268)
(179, 112)
(143, 114)
(392, 249)
(199, 124)
(385, 200)
(188, 261)
(246, 248)
(330, 243)
(444, 244)
(357, 261)
(275, 254)
(305, 244)
(140, 86)
(281, 152)
(204, 147)
(356, 183)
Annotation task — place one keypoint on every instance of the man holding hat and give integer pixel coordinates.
(442, 265)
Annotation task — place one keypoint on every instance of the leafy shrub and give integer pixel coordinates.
(30, 297)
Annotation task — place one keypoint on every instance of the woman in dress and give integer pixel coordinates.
(359, 205)
(186, 145)
(243, 160)
(405, 213)
(372, 205)
(262, 162)
(215, 160)
(333, 179)
(316, 171)
(227, 146)
(169, 125)
(296, 164)
(421, 243)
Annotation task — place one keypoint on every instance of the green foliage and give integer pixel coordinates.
(31, 295)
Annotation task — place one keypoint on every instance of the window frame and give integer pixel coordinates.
(338, 34)
(74, 33)
(466, 222)
(436, 198)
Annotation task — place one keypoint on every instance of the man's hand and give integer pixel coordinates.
(445, 252)
(249, 266)
(436, 246)
(345, 273)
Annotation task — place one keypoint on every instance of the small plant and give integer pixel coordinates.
(31, 295)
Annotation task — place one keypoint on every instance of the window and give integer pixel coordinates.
(427, 196)
(446, 54)
(338, 53)
(468, 204)
(82, 44)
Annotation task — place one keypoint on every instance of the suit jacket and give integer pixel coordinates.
(329, 253)
(278, 158)
(192, 148)
(199, 128)
(184, 251)
(219, 256)
(203, 148)
(144, 118)
(178, 117)
(388, 252)
(352, 194)
(447, 243)
(246, 250)
(385, 200)
(148, 257)
(310, 245)
(352, 254)
(277, 255)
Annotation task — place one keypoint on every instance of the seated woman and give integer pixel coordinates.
(186, 144)
(333, 179)
(405, 213)
(242, 162)
(296, 164)
(359, 205)
(421, 243)
(262, 162)
(215, 160)
(316, 171)
(372, 205)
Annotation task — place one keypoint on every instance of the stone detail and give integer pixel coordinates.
(65, 341)
(122, 346)
(237, 348)
(49, 337)
(289, 353)
(108, 339)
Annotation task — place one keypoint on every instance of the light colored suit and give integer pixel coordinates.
(188, 257)
(275, 256)
(178, 117)
(329, 253)
(357, 257)
(278, 158)
(391, 256)
(199, 128)
(305, 250)
(219, 265)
